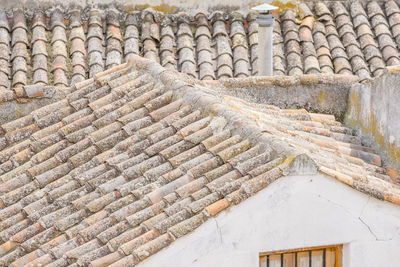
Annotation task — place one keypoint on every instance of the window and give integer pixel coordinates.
(329, 256)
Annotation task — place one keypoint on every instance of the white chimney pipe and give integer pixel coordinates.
(265, 22)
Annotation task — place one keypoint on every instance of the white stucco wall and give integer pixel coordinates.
(293, 212)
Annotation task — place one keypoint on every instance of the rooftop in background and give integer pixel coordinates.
(61, 48)
(139, 156)
(264, 8)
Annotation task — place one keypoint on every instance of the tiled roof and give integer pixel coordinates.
(139, 156)
(64, 48)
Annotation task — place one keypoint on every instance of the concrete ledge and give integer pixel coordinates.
(306, 79)
(24, 93)
(393, 69)
(321, 93)
(170, 6)
(28, 99)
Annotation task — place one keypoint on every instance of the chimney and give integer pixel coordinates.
(265, 22)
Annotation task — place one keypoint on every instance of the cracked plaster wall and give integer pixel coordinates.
(293, 212)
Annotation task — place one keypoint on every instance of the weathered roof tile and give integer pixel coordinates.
(127, 163)
(220, 47)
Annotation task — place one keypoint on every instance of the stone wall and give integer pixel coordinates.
(374, 111)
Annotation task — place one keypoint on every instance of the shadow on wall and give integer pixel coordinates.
(374, 111)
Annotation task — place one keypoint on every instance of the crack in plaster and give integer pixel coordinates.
(364, 223)
(336, 204)
(359, 217)
(368, 227)
(219, 231)
(365, 205)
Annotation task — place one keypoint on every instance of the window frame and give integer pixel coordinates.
(338, 252)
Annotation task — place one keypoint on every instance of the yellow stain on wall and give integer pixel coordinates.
(321, 97)
(19, 112)
(373, 127)
(170, 9)
(355, 99)
(288, 161)
(282, 6)
(394, 151)
(164, 8)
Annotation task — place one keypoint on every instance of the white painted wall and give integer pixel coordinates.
(293, 212)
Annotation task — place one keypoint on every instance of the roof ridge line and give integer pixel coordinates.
(214, 103)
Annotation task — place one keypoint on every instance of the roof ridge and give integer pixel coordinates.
(209, 100)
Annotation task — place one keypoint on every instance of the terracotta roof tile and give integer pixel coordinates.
(5, 54)
(167, 44)
(19, 52)
(77, 50)
(125, 164)
(346, 39)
